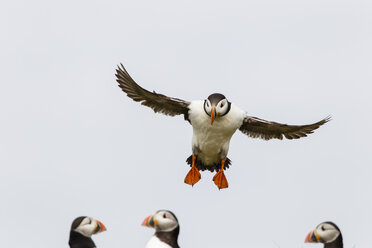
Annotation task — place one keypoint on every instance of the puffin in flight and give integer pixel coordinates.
(166, 228)
(82, 229)
(214, 121)
(327, 233)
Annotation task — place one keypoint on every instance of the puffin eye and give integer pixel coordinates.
(222, 104)
(323, 229)
(164, 216)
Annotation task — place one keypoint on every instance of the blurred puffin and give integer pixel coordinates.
(214, 121)
(327, 233)
(166, 229)
(82, 229)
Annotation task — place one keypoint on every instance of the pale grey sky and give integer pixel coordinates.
(73, 144)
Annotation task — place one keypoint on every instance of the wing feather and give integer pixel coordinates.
(158, 102)
(258, 128)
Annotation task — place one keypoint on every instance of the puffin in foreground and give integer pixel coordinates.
(82, 229)
(327, 233)
(214, 121)
(166, 229)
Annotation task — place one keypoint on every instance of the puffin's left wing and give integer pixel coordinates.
(258, 128)
(158, 102)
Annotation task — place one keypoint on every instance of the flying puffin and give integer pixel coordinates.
(214, 121)
(327, 233)
(166, 229)
(82, 229)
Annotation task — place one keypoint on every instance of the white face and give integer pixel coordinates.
(326, 233)
(208, 106)
(164, 221)
(221, 107)
(87, 227)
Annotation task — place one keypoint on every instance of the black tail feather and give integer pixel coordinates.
(213, 167)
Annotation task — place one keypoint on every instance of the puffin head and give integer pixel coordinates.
(216, 105)
(326, 233)
(87, 226)
(162, 221)
(82, 229)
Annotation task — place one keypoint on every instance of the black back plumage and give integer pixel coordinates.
(170, 238)
(78, 240)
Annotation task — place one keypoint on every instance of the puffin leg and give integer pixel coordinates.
(194, 175)
(220, 178)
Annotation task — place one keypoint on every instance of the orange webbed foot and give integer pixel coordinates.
(220, 180)
(193, 176)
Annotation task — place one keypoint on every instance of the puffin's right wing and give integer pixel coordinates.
(258, 128)
(158, 102)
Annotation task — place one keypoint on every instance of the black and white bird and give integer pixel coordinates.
(214, 121)
(327, 233)
(82, 229)
(166, 229)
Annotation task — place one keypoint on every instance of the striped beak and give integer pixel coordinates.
(100, 227)
(311, 238)
(149, 221)
(213, 114)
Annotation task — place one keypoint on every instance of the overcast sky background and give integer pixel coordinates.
(73, 144)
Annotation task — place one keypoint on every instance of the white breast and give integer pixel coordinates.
(154, 242)
(213, 140)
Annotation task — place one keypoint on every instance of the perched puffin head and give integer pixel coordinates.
(87, 226)
(82, 229)
(162, 221)
(327, 233)
(216, 105)
(166, 227)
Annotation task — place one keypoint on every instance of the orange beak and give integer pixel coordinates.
(310, 238)
(101, 227)
(149, 221)
(213, 114)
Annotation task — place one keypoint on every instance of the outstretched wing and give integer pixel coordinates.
(258, 128)
(158, 102)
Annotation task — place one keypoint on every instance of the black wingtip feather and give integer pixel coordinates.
(158, 102)
(258, 128)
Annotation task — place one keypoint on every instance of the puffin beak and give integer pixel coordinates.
(213, 114)
(149, 221)
(311, 238)
(100, 227)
